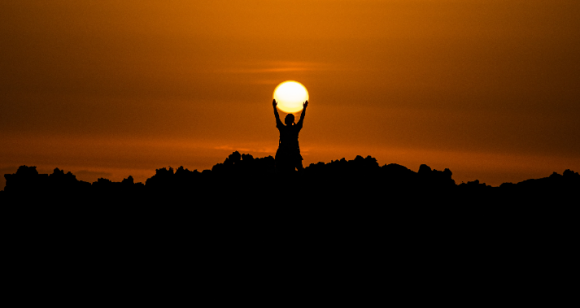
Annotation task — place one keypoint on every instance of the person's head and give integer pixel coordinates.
(289, 120)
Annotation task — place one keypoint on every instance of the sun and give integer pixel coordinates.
(290, 96)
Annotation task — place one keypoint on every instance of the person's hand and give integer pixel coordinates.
(305, 104)
(274, 103)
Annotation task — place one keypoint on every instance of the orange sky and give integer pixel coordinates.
(487, 88)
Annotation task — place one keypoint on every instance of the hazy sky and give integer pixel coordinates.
(487, 88)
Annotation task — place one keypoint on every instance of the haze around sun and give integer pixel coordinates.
(290, 96)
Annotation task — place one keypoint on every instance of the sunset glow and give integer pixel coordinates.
(488, 89)
(290, 96)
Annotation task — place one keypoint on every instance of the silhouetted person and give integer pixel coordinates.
(288, 155)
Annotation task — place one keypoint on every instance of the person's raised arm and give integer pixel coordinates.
(278, 122)
(301, 121)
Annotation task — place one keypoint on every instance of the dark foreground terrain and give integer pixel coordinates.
(243, 179)
(347, 221)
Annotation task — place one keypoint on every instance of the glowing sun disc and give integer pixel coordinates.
(290, 95)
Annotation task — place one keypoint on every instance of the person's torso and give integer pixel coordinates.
(289, 136)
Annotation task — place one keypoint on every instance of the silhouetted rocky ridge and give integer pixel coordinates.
(243, 178)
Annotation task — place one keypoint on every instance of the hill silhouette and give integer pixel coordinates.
(241, 179)
(347, 211)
